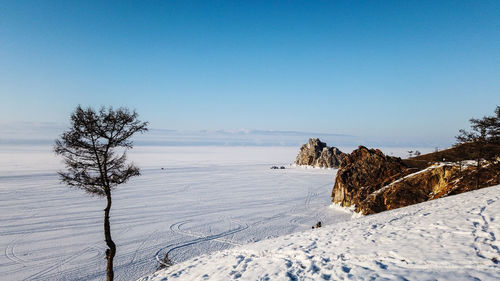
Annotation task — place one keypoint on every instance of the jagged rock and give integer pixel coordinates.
(316, 153)
(363, 172)
(431, 183)
(412, 189)
(374, 182)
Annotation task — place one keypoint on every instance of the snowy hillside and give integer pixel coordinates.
(453, 238)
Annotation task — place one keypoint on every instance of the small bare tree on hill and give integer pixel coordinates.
(410, 152)
(94, 152)
(484, 132)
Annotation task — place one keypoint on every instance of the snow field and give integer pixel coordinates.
(206, 199)
(453, 238)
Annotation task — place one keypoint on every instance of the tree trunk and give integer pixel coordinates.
(110, 253)
(478, 167)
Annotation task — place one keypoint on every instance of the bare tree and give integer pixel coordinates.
(484, 132)
(94, 152)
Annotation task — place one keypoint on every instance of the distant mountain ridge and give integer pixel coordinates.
(43, 133)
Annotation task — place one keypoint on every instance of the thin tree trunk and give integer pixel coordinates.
(110, 253)
(478, 167)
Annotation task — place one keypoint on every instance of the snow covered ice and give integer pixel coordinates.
(208, 205)
(205, 199)
(454, 238)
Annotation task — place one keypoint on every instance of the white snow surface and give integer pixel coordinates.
(205, 199)
(454, 238)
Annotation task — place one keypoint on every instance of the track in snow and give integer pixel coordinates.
(200, 238)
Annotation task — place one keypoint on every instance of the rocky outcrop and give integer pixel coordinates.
(374, 182)
(363, 172)
(318, 154)
(412, 189)
(436, 181)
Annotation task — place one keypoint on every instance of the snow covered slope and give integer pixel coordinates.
(453, 238)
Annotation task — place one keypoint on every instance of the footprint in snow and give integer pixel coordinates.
(381, 265)
(346, 269)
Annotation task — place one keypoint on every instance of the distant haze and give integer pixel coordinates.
(45, 134)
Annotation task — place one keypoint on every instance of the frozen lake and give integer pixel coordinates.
(204, 200)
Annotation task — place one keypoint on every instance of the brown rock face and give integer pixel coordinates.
(374, 182)
(363, 172)
(413, 189)
(318, 154)
(434, 182)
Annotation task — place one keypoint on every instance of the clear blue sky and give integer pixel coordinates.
(365, 68)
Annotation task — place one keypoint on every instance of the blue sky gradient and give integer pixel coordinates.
(375, 69)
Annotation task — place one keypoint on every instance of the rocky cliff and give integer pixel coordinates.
(374, 182)
(363, 172)
(436, 181)
(318, 154)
